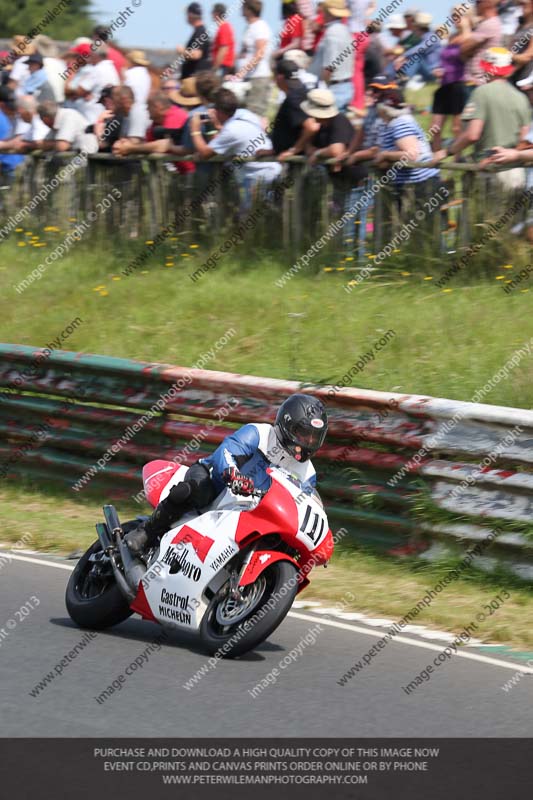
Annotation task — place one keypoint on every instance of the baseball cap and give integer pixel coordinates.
(35, 58)
(194, 8)
(382, 82)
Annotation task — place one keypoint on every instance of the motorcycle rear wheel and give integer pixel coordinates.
(229, 641)
(94, 602)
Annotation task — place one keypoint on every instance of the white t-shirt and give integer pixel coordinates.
(255, 32)
(20, 128)
(138, 79)
(100, 75)
(54, 68)
(20, 70)
(93, 78)
(136, 123)
(34, 131)
(69, 126)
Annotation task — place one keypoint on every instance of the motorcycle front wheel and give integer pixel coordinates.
(93, 598)
(231, 628)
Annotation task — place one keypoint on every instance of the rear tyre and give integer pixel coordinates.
(269, 609)
(93, 598)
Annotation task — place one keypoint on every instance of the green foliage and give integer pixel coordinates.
(71, 18)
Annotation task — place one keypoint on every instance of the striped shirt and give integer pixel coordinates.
(399, 128)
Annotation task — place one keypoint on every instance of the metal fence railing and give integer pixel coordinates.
(389, 461)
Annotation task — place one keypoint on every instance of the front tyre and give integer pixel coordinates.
(93, 598)
(269, 600)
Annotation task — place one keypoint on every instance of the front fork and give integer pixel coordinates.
(235, 577)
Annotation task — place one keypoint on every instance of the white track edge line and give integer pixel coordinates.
(342, 625)
(424, 645)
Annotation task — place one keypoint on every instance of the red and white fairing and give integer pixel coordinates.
(193, 555)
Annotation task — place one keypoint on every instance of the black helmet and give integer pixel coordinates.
(301, 421)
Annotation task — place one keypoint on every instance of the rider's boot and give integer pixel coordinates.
(166, 512)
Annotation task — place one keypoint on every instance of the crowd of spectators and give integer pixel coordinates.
(329, 84)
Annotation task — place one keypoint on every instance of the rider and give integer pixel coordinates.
(240, 462)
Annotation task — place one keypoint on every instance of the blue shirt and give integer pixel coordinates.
(8, 162)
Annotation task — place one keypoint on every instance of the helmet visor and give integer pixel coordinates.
(308, 436)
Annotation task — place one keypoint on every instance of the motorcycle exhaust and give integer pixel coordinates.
(134, 570)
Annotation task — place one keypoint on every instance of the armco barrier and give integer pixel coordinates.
(61, 411)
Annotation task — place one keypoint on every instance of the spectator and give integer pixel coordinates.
(287, 125)
(306, 10)
(20, 70)
(319, 27)
(401, 137)
(28, 128)
(207, 85)
(54, 66)
(37, 82)
(509, 12)
(397, 28)
(302, 61)
(137, 76)
(254, 62)
(132, 116)
(76, 57)
(241, 135)
(361, 13)
(292, 32)
(67, 129)
(522, 154)
(99, 73)
(185, 95)
(223, 54)
(423, 58)
(497, 113)
(522, 43)
(411, 35)
(333, 61)
(100, 35)
(450, 98)
(485, 35)
(365, 142)
(167, 121)
(8, 128)
(195, 54)
(375, 53)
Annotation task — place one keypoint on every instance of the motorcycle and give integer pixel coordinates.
(230, 573)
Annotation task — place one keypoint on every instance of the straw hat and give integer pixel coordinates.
(423, 19)
(298, 57)
(337, 8)
(46, 46)
(320, 104)
(21, 46)
(138, 57)
(187, 94)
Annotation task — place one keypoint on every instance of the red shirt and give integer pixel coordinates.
(118, 60)
(175, 118)
(293, 29)
(225, 38)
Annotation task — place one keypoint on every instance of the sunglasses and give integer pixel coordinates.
(169, 88)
